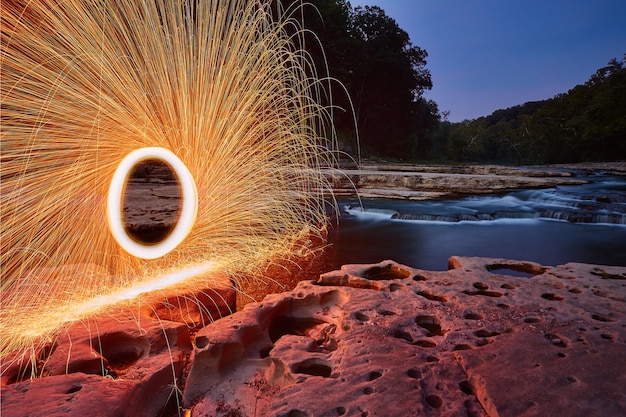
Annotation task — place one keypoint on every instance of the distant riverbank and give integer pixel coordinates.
(426, 182)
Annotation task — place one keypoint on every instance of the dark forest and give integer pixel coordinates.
(385, 76)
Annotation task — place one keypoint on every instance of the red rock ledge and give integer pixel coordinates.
(369, 340)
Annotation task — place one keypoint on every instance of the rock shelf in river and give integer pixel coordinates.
(425, 182)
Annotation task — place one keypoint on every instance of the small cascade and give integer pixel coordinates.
(602, 202)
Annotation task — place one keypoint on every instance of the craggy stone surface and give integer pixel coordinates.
(489, 337)
(391, 340)
(110, 366)
(123, 363)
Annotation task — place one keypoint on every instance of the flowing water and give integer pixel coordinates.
(585, 223)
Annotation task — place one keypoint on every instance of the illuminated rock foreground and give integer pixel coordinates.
(369, 340)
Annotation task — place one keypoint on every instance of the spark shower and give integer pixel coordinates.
(222, 91)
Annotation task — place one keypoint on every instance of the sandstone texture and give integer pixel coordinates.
(488, 337)
(151, 203)
(126, 362)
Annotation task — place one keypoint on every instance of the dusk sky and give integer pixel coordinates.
(486, 55)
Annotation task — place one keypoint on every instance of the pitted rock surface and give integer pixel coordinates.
(489, 337)
(386, 339)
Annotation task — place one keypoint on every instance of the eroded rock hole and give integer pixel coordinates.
(265, 352)
(486, 333)
(74, 389)
(201, 342)
(467, 388)
(375, 375)
(430, 323)
(601, 318)
(401, 334)
(414, 373)
(152, 202)
(121, 350)
(434, 401)
(557, 340)
(462, 346)
(291, 325)
(386, 313)
(473, 316)
(516, 270)
(433, 297)
(606, 275)
(483, 292)
(314, 367)
(22, 370)
(425, 343)
(551, 297)
(361, 316)
(386, 272)
(532, 320)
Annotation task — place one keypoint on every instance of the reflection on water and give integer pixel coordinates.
(554, 226)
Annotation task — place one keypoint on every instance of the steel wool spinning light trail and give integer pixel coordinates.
(221, 91)
(116, 196)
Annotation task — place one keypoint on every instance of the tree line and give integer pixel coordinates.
(588, 123)
(385, 76)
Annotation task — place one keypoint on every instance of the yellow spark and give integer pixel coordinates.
(225, 86)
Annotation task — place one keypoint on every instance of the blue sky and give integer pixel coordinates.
(485, 55)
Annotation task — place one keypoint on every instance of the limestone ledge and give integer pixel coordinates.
(423, 182)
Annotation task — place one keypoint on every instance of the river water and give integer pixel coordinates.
(585, 223)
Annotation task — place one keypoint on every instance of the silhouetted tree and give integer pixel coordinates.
(389, 78)
(382, 72)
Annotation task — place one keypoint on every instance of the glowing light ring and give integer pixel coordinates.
(188, 210)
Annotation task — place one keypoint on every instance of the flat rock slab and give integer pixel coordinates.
(420, 185)
(489, 337)
(424, 182)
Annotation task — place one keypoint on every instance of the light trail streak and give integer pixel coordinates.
(162, 282)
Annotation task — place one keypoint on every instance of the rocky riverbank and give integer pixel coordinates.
(423, 182)
(488, 337)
